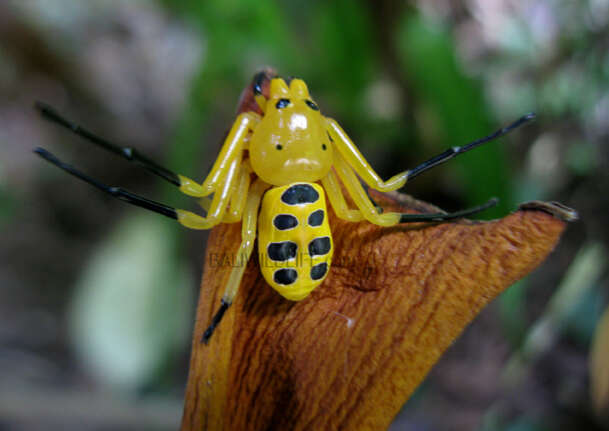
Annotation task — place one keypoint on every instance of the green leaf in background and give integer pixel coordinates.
(133, 304)
(343, 55)
(512, 313)
(578, 283)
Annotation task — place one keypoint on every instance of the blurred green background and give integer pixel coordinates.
(97, 298)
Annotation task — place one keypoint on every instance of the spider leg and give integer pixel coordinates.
(337, 200)
(370, 212)
(248, 236)
(439, 217)
(367, 190)
(186, 218)
(455, 151)
(232, 146)
(131, 154)
(219, 203)
(205, 202)
(239, 196)
(354, 158)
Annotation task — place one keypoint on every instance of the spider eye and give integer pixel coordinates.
(282, 103)
(312, 105)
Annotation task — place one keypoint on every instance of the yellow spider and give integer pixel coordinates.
(273, 174)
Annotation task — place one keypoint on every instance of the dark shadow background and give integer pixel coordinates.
(97, 298)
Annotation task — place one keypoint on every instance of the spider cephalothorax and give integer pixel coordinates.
(290, 143)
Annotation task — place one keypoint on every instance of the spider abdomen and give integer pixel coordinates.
(294, 239)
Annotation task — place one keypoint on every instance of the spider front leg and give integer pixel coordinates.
(354, 158)
(355, 189)
(370, 212)
(218, 205)
(186, 218)
(248, 236)
(239, 195)
(232, 147)
(337, 200)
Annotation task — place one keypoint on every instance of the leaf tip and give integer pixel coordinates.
(555, 209)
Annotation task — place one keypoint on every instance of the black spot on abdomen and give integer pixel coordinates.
(319, 246)
(319, 270)
(285, 221)
(316, 218)
(300, 194)
(285, 276)
(282, 251)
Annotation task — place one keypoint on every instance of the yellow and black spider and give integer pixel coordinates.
(273, 174)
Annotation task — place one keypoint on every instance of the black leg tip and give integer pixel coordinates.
(45, 155)
(215, 321)
(45, 109)
(50, 114)
(207, 335)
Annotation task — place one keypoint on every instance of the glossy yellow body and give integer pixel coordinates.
(294, 240)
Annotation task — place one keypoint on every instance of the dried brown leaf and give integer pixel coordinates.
(351, 354)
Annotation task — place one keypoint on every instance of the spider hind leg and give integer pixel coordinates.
(440, 217)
